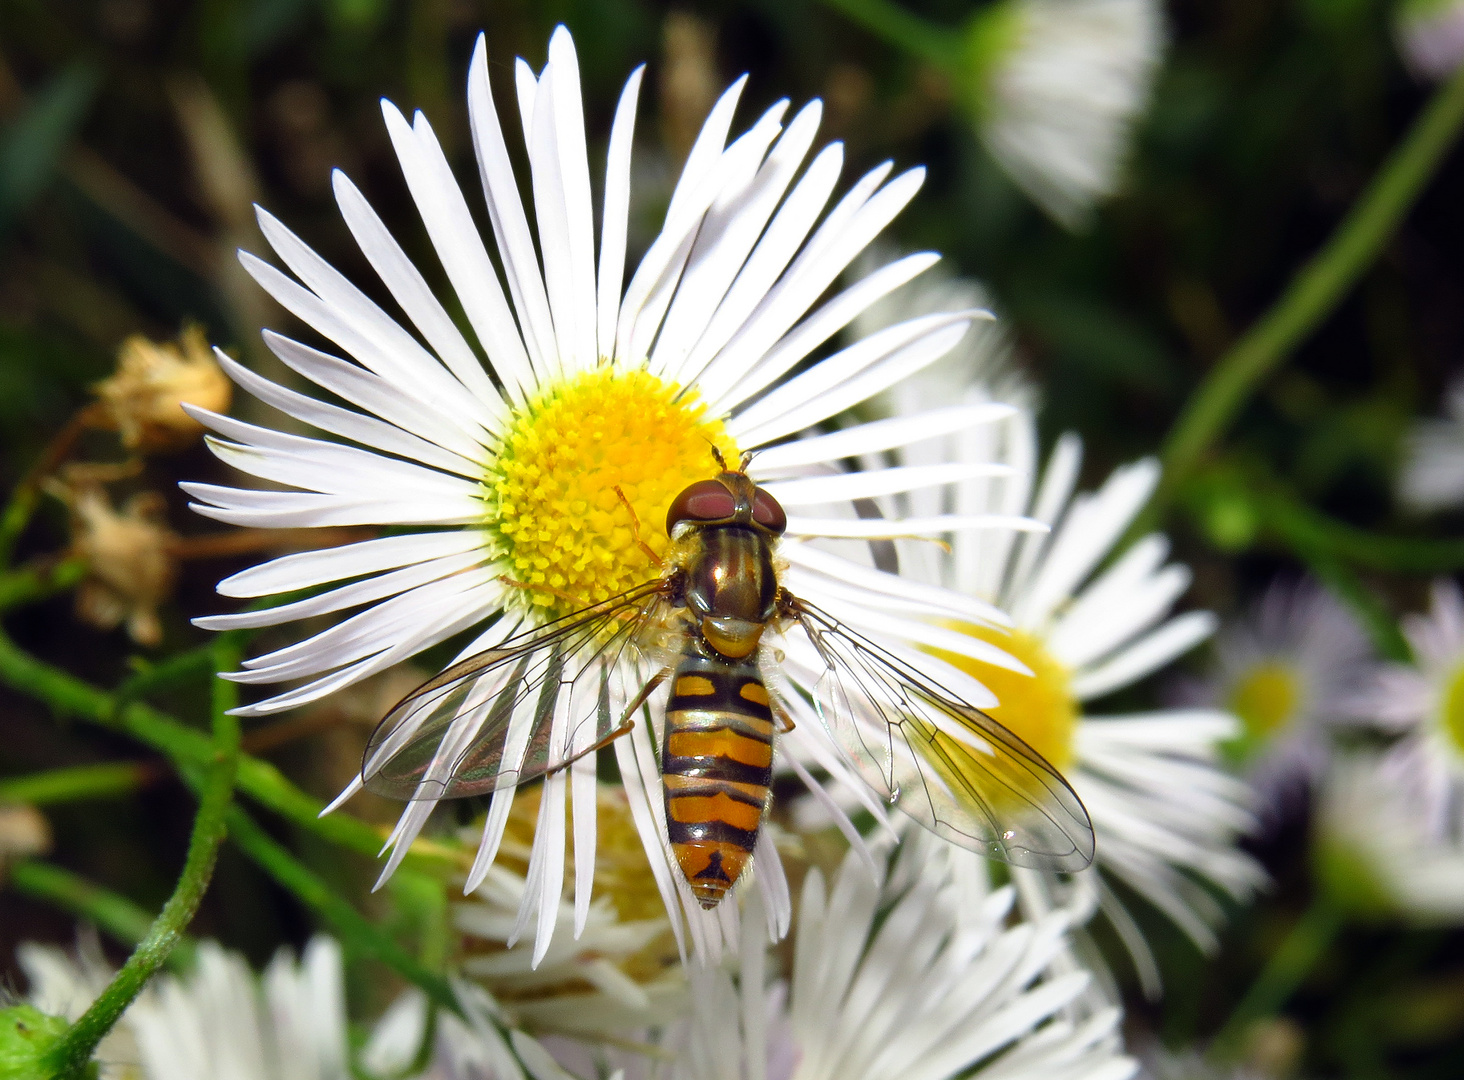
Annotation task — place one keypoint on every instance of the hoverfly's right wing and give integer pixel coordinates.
(942, 761)
(519, 711)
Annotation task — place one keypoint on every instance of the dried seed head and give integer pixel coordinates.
(151, 384)
(131, 566)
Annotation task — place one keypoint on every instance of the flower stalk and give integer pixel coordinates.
(1284, 972)
(915, 35)
(71, 1055)
(112, 912)
(1314, 293)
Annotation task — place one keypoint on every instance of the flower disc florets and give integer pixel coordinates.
(554, 518)
(1038, 708)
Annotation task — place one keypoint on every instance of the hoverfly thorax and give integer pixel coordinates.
(731, 589)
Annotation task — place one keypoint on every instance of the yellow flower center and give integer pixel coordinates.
(554, 518)
(1451, 709)
(1039, 708)
(1266, 698)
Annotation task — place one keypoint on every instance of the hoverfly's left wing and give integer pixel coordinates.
(519, 711)
(942, 761)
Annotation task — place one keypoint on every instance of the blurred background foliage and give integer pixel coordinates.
(135, 134)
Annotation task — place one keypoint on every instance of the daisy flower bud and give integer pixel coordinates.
(1055, 86)
(1430, 36)
(152, 383)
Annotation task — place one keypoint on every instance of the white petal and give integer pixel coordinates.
(308, 569)
(343, 422)
(876, 435)
(886, 529)
(787, 231)
(1088, 532)
(880, 362)
(445, 214)
(412, 292)
(1058, 481)
(824, 324)
(615, 214)
(378, 395)
(1148, 654)
(869, 483)
(506, 213)
(394, 353)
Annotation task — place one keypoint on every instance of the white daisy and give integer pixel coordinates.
(1057, 86)
(1375, 854)
(219, 1020)
(500, 488)
(1433, 469)
(1289, 672)
(1424, 700)
(1430, 35)
(1166, 816)
(907, 974)
(622, 972)
(468, 1047)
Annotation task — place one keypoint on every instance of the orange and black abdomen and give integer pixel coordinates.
(717, 767)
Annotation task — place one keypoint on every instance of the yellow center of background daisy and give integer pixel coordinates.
(1039, 708)
(1451, 709)
(1266, 698)
(554, 518)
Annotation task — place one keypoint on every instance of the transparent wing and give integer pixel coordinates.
(942, 761)
(516, 712)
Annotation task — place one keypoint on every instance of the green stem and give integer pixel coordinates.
(1284, 972)
(934, 44)
(189, 748)
(1294, 519)
(77, 782)
(31, 583)
(172, 672)
(127, 922)
(356, 932)
(1316, 289)
(74, 1051)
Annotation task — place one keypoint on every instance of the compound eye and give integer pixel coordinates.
(705, 500)
(768, 512)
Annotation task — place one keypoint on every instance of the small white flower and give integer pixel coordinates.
(502, 486)
(908, 974)
(218, 1021)
(1059, 84)
(1163, 811)
(1376, 855)
(1431, 36)
(1424, 700)
(1289, 672)
(1433, 470)
(622, 972)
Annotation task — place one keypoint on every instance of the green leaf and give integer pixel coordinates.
(31, 147)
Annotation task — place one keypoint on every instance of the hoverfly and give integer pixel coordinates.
(542, 700)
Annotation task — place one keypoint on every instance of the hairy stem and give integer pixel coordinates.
(1284, 972)
(1316, 289)
(358, 934)
(79, 782)
(126, 921)
(74, 1051)
(900, 28)
(190, 749)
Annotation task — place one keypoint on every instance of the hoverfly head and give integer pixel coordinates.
(730, 499)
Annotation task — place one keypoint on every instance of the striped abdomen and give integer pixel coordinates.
(717, 767)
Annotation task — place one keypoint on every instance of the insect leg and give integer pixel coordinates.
(785, 721)
(627, 721)
(531, 587)
(656, 560)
